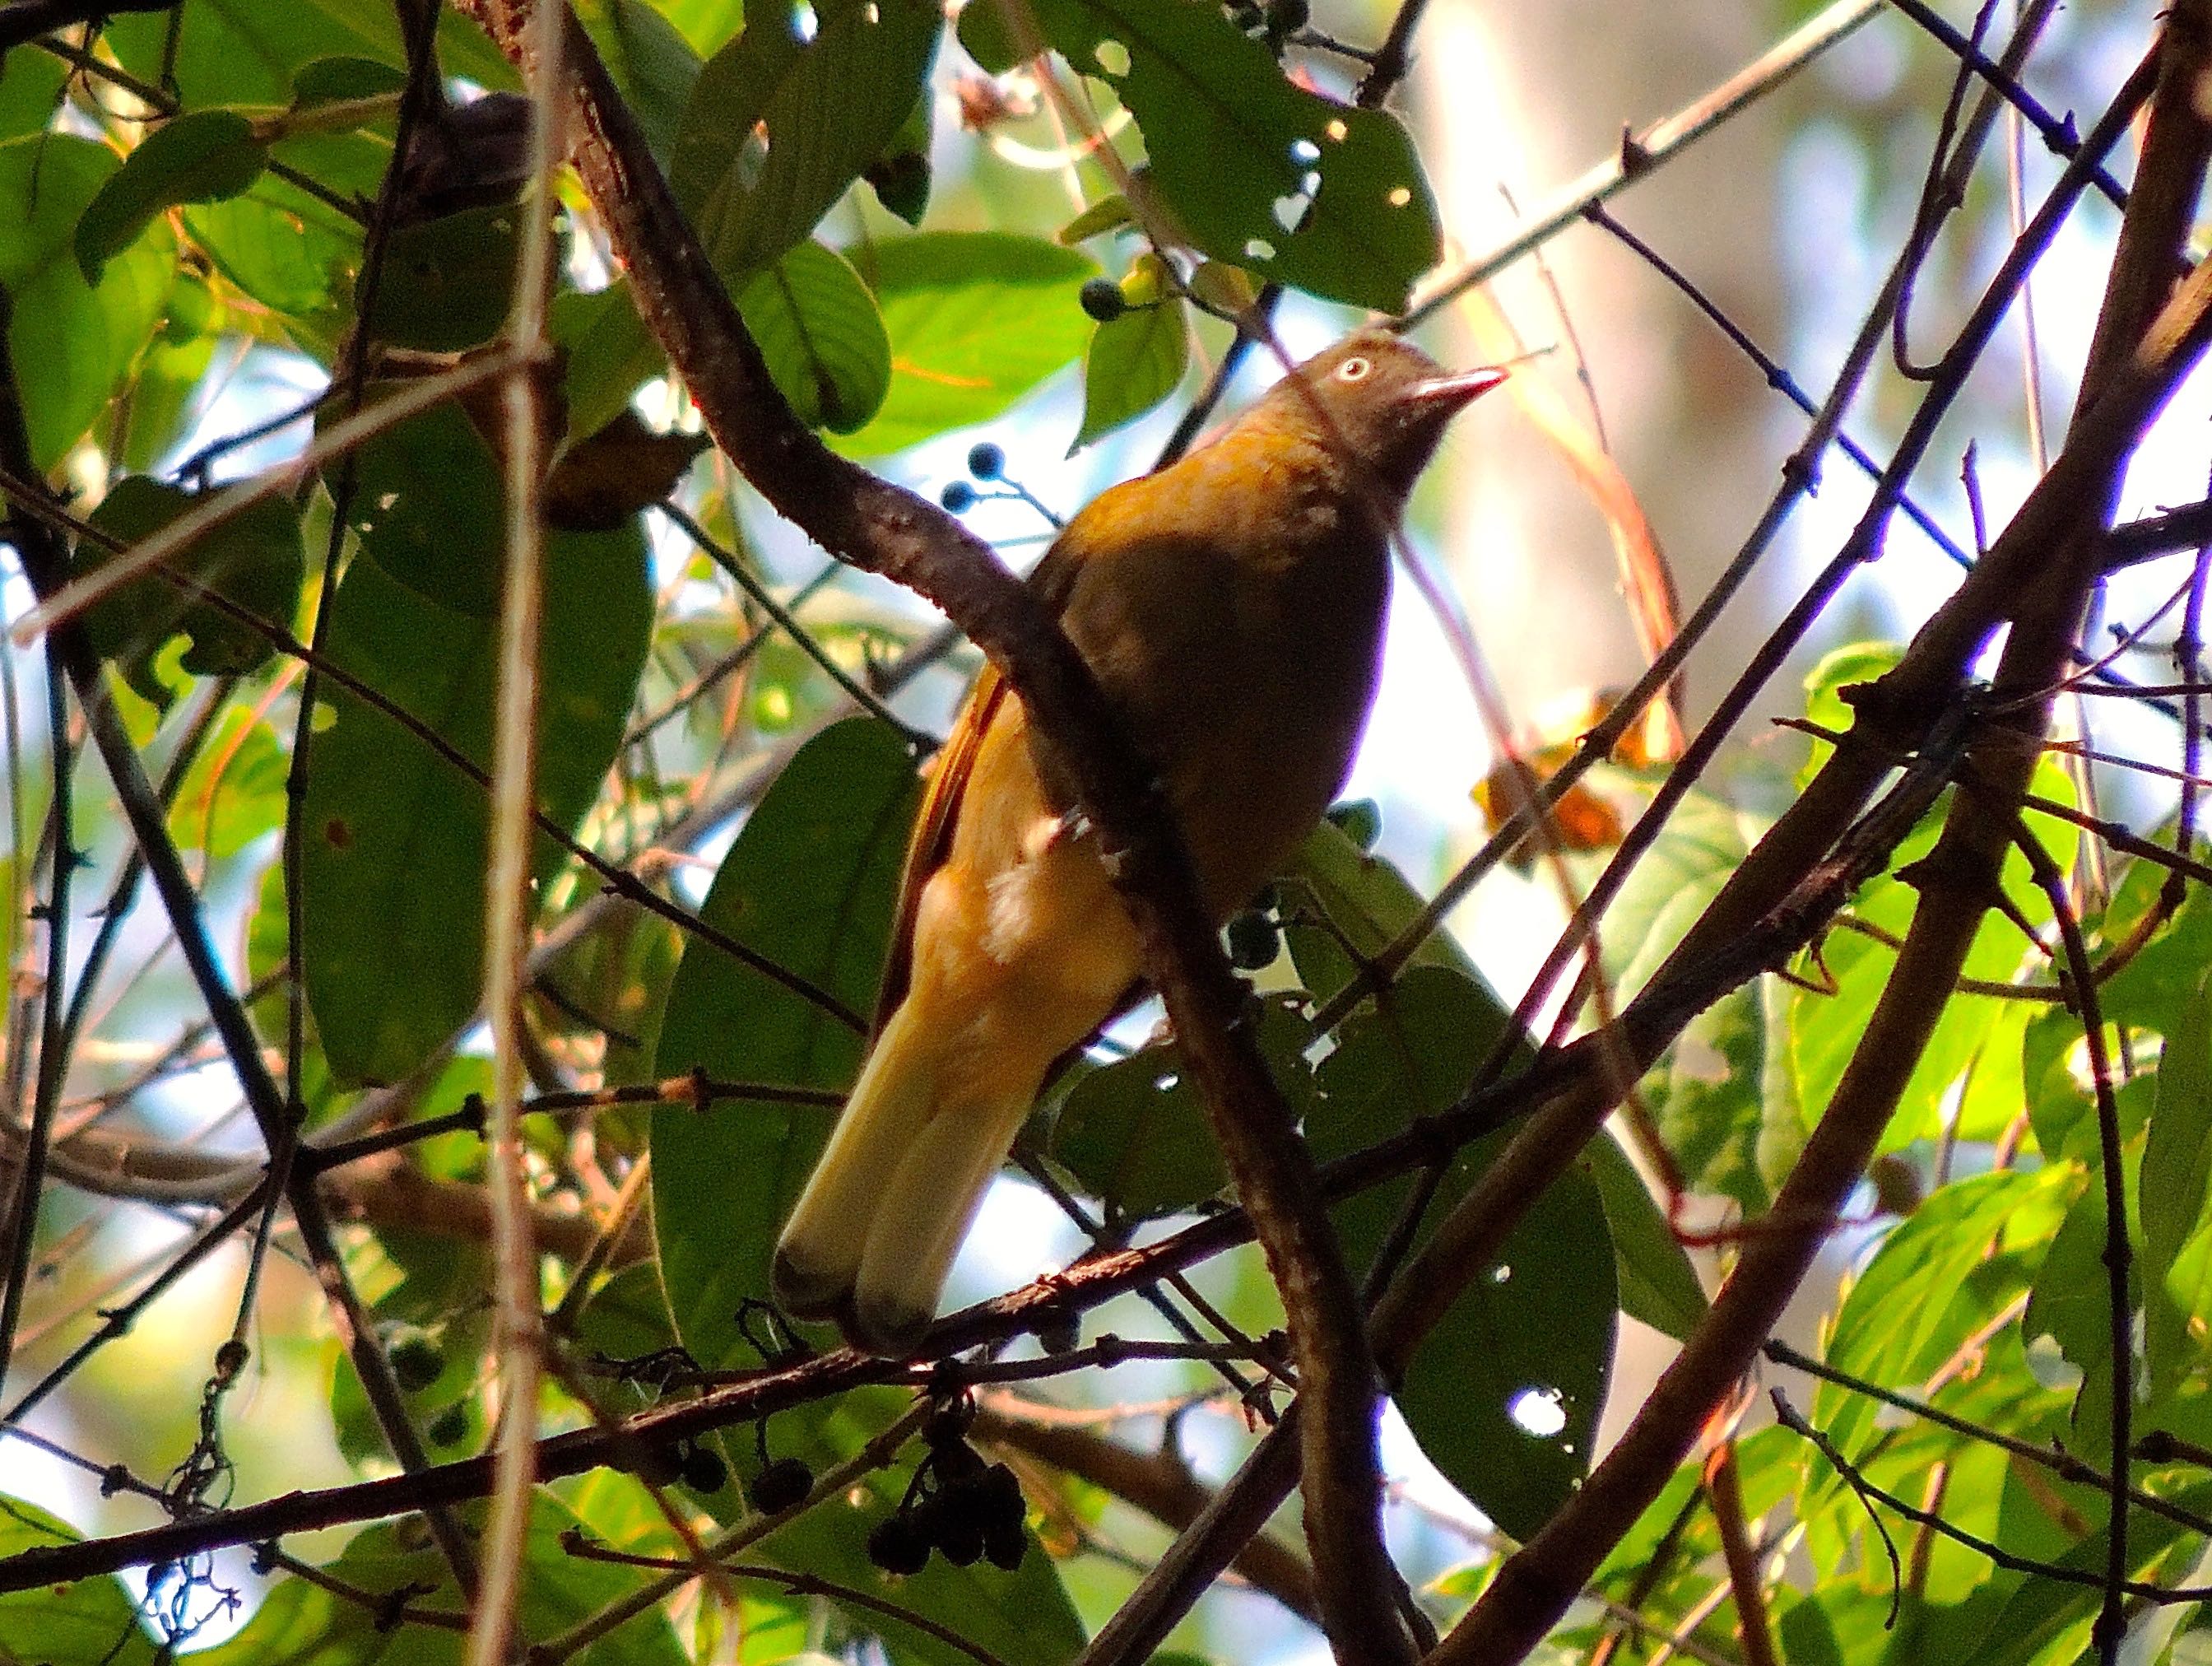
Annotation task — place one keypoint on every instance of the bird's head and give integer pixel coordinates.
(1376, 403)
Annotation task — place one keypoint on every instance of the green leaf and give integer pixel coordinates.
(652, 65)
(609, 354)
(292, 253)
(1529, 1342)
(394, 860)
(1109, 213)
(255, 561)
(30, 92)
(448, 282)
(1252, 170)
(71, 343)
(247, 53)
(1135, 362)
(343, 80)
(779, 125)
(1367, 904)
(1658, 1283)
(1136, 1135)
(816, 326)
(1825, 1029)
(86, 1622)
(810, 883)
(207, 156)
(1901, 1321)
(2177, 1174)
(427, 507)
(234, 793)
(975, 320)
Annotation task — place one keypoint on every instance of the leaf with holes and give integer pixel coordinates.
(1135, 362)
(207, 156)
(975, 320)
(810, 884)
(787, 116)
(818, 329)
(1320, 196)
(1504, 1394)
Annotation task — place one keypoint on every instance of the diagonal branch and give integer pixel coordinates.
(879, 527)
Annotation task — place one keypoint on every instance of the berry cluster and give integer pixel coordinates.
(957, 1505)
(987, 463)
(699, 1467)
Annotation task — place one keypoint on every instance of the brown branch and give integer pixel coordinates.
(882, 528)
(1724, 1486)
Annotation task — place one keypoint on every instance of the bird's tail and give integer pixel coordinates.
(875, 1232)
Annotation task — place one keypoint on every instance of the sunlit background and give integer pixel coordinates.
(1788, 219)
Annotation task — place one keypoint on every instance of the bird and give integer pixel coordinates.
(1230, 606)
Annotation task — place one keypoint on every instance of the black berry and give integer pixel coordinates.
(1253, 940)
(985, 461)
(417, 1364)
(1102, 298)
(897, 1545)
(704, 1471)
(784, 1483)
(959, 498)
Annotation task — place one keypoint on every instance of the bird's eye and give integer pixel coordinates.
(1352, 370)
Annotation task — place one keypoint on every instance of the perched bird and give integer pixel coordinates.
(1231, 608)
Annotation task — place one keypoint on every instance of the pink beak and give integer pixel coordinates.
(1455, 392)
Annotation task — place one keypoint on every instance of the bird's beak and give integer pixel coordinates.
(1453, 392)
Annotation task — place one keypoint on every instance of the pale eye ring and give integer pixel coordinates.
(1353, 370)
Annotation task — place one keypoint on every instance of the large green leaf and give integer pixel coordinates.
(810, 884)
(396, 837)
(1136, 1135)
(448, 282)
(1252, 168)
(1504, 1394)
(255, 561)
(292, 253)
(30, 92)
(2176, 1190)
(1658, 1283)
(1901, 1319)
(205, 156)
(71, 342)
(1824, 1028)
(247, 51)
(816, 327)
(87, 1622)
(1366, 904)
(787, 116)
(975, 320)
(652, 65)
(608, 354)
